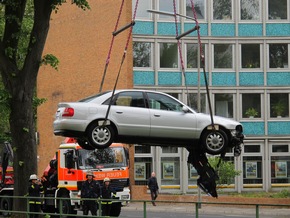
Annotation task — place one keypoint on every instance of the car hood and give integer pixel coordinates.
(223, 121)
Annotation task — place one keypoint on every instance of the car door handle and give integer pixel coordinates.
(156, 115)
(119, 112)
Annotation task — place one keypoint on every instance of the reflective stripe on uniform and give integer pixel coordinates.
(34, 202)
(106, 202)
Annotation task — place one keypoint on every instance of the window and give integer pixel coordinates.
(278, 55)
(280, 148)
(199, 6)
(163, 102)
(192, 55)
(129, 99)
(140, 149)
(250, 9)
(223, 56)
(170, 170)
(142, 8)
(222, 9)
(279, 105)
(142, 54)
(143, 169)
(250, 55)
(168, 55)
(167, 6)
(280, 169)
(277, 9)
(252, 170)
(224, 105)
(251, 105)
(193, 102)
(166, 150)
(252, 148)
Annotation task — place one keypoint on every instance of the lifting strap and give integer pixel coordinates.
(203, 63)
(180, 52)
(123, 57)
(111, 46)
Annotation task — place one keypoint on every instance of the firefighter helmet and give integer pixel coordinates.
(32, 177)
(107, 179)
(90, 173)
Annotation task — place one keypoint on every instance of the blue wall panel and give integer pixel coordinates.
(143, 78)
(278, 78)
(165, 28)
(169, 78)
(278, 29)
(203, 29)
(278, 128)
(251, 78)
(144, 28)
(254, 128)
(250, 30)
(192, 78)
(224, 79)
(218, 29)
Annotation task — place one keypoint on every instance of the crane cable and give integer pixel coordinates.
(111, 47)
(123, 57)
(202, 58)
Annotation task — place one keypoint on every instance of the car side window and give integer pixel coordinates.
(130, 99)
(163, 102)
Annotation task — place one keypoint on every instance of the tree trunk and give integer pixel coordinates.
(23, 142)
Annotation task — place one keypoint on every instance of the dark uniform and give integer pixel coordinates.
(34, 190)
(107, 192)
(153, 186)
(90, 189)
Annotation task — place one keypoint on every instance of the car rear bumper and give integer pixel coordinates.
(68, 133)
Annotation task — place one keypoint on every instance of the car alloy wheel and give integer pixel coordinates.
(215, 142)
(100, 136)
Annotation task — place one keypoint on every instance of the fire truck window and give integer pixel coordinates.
(102, 158)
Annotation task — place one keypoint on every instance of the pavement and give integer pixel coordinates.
(210, 209)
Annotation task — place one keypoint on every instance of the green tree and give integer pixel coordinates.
(226, 170)
(24, 26)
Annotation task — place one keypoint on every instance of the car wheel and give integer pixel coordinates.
(85, 144)
(100, 136)
(214, 142)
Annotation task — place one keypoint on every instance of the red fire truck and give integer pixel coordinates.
(71, 164)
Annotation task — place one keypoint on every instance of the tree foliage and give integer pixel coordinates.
(24, 26)
(225, 170)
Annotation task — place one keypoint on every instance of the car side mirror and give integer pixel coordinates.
(185, 109)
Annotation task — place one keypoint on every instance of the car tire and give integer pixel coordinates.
(214, 141)
(85, 144)
(100, 136)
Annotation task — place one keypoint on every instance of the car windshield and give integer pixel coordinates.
(102, 158)
(90, 98)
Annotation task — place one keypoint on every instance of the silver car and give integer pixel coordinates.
(144, 117)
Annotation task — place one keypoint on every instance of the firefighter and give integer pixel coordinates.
(34, 190)
(107, 193)
(90, 189)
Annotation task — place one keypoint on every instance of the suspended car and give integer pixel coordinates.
(144, 117)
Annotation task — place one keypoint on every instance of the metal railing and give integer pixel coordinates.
(6, 212)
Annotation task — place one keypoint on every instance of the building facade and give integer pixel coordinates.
(81, 41)
(246, 48)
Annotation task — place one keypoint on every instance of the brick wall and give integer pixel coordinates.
(80, 40)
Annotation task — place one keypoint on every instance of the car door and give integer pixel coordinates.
(168, 119)
(129, 113)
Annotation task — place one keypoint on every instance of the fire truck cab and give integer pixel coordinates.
(70, 166)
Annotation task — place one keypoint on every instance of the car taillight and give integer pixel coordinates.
(68, 112)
